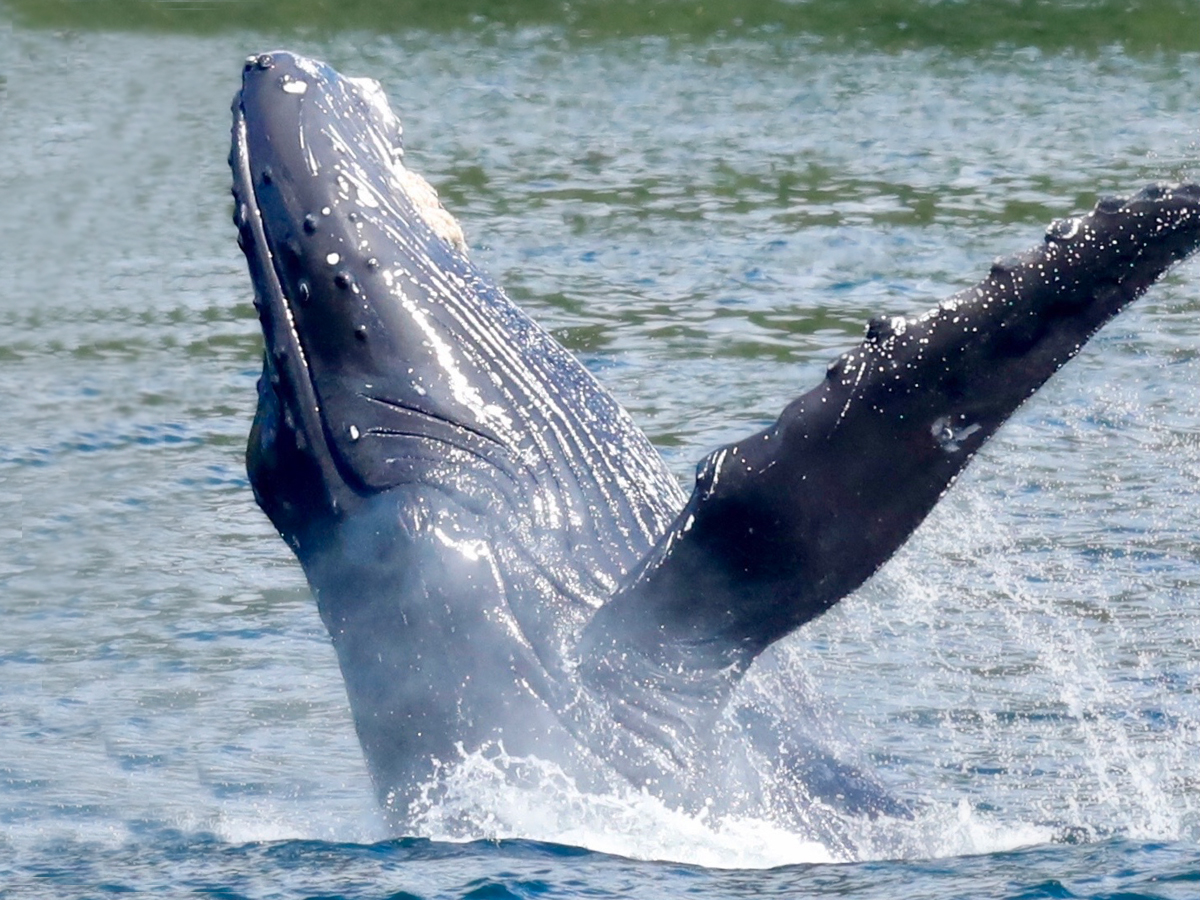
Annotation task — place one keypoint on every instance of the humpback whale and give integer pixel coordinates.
(500, 556)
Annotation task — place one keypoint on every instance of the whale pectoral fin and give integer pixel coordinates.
(785, 523)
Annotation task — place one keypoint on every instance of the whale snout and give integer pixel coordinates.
(377, 366)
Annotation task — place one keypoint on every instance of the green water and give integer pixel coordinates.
(890, 25)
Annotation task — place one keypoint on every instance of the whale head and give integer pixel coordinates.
(371, 370)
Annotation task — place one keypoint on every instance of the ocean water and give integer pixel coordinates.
(706, 203)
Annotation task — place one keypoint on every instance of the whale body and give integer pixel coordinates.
(501, 557)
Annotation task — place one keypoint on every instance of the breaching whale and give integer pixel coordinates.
(500, 556)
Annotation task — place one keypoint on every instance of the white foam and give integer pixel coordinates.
(497, 797)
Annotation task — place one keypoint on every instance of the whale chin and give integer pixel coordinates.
(501, 557)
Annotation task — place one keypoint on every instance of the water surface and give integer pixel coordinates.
(706, 211)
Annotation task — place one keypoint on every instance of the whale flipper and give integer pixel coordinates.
(784, 523)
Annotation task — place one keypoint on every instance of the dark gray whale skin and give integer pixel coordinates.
(502, 560)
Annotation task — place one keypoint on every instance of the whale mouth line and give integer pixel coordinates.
(274, 300)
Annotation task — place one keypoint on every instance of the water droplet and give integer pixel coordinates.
(333, 259)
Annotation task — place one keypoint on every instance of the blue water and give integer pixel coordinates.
(706, 215)
(414, 867)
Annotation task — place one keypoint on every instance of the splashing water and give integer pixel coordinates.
(1017, 685)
